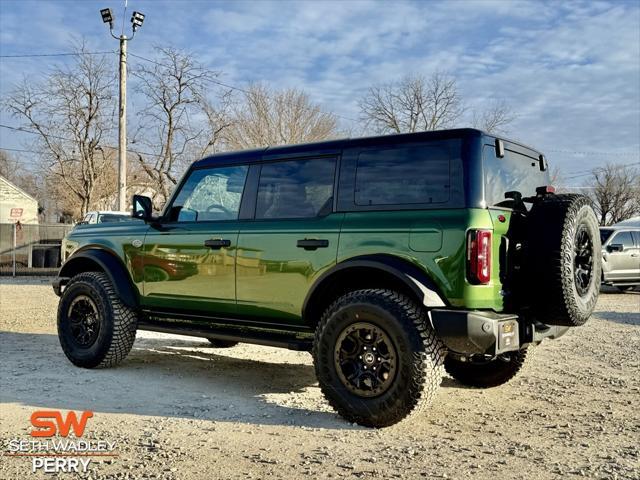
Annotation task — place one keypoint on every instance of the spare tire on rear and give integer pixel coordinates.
(562, 259)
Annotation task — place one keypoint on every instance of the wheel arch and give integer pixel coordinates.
(98, 259)
(370, 271)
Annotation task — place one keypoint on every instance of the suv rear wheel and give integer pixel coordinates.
(95, 328)
(376, 357)
(485, 374)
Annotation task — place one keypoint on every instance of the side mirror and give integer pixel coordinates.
(615, 247)
(142, 208)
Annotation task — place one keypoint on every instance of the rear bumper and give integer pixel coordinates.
(472, 332)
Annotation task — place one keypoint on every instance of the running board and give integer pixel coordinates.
(266, 337)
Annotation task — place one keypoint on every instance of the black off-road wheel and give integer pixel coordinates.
(486, 373)
(95, 329)
(563, 260)
(376, 357)
(217, 343)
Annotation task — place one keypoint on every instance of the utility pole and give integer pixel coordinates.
(122, 128)
(136, 20)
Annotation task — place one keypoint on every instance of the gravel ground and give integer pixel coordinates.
(177, 409)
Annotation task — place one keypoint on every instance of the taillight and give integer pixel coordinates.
(479, 256)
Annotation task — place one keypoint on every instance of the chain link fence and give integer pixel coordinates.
(31, 249)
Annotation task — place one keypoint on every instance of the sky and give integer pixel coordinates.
(569, 70)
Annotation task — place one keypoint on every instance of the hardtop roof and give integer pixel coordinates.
(334, 146)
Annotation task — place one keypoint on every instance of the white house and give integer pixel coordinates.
(16, 204)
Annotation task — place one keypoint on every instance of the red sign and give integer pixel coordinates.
(16, 213)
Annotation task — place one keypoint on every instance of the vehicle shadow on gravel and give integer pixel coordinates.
(168, 378)
(625, 318)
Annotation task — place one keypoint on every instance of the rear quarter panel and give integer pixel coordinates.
(433, 240)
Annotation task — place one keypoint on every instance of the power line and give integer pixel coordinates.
(33, 132)
(67, 54)
(611, 154)
(590, 172)
(18, 150)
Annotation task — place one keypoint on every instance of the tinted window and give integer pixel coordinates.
(623, 238)
(407, 175)
(208, 195)
(296, 189)
(513, 172)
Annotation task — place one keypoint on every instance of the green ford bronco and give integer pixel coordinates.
(388, 258)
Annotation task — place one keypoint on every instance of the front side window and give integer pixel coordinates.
(209, 195)
(296, 189)
(403, 176)
(623, 238)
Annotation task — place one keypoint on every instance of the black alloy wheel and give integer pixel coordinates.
(583, 260)
(365, 359)
(84, 322)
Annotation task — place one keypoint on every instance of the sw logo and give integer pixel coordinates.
(50, 422)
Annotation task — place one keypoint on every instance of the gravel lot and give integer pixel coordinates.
(177, 409)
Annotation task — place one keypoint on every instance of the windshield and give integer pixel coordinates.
(513, 172)
(111, 217)
(605, 234)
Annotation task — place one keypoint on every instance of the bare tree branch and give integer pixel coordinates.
(415, 103)
(70, 111)
(616, 193)
(266, 117)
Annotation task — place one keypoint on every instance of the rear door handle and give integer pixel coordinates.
(217, 244)
(309, 244)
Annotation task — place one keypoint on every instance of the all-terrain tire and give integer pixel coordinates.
(116, 323)
(486, 374)
(217, 343)
(554, 225)
(420, 355)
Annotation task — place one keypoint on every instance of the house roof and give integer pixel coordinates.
(13, 185)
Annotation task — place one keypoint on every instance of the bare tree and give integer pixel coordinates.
(71, 111)
(495, 119)
(218, 120)
(15, 171)
(616, 192)
(173, 91)
(415, 103)
(266, 117)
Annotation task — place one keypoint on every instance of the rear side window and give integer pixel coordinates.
(296, 189)
(403, 176)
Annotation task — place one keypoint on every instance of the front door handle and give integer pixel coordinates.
(309, 244)
(217, 244)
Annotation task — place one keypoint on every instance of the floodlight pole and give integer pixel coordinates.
(122, 128)
(136, 21)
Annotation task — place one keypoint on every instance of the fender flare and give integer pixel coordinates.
(110, 264)
(417, 280)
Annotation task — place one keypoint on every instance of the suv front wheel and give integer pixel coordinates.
(376, 357)
(95, 328)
